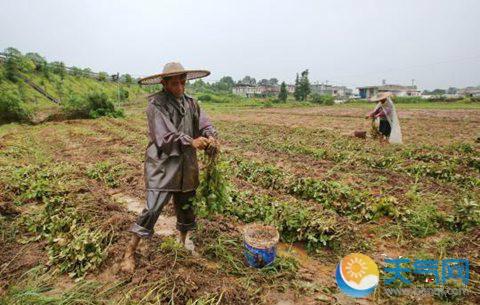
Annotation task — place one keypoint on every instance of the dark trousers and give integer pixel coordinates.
(385, 127)
(156, 201)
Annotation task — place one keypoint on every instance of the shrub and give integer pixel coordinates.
(322, 99)
(205, 97)
(408, 99)
(94, 105)
(12, 108)
(102, 76)
(100, 105)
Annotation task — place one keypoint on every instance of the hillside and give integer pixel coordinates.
(56, 80)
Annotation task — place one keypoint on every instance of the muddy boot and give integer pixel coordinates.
(183, 238)
(187, 243)
(128, 264)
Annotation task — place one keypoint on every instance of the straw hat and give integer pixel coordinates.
(172, 69)
(380, 96)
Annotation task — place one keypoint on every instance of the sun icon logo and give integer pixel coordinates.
(356, 268)
(357, 275)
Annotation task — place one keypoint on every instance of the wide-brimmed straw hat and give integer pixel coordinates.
(381, 96)
(172, 69)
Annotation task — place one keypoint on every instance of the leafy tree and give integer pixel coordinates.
(302, 86)
(273, 81)
(59, 68)
(263, 82)
(87, 72)
(452, 90)
(296, 92)
(15, 63)
(76, 71)
(248, 80)
(199, 85)
(40, 62)
(102, 76)
(127, 79)
(282, 96)
(226, 83)
(438, 92)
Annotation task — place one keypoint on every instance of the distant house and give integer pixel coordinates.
(399, 90)
(337, 91)
(469, 91)
(248, 90)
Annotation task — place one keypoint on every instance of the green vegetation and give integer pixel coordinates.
(302, 87)
(81, 93)
(106, 173)
(283, 94)
(93, 105)
(322, 99)
(12, 107)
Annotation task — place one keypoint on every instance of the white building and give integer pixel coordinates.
(337, 91)
(399, 90)
(470, 92)
(248, 90)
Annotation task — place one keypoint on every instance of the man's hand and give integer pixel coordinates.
(200, 143)
(213, 146)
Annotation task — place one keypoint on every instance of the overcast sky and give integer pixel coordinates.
(347, 42)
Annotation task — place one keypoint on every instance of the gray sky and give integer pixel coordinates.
(349, 42)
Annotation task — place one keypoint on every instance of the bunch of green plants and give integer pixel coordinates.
(29, 183)
(34, 182)
(331, 194)
(444, 171)
(423, 220)
(72, 246)
(466, 215)
(374, 131)
(294, 221)
(105, 172)
(214, 191)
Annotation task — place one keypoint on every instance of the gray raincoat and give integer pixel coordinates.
(170, 159)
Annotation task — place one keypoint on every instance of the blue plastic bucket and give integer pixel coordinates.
(260, 244)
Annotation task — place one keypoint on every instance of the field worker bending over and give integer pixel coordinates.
(389, 123)
(177, 128)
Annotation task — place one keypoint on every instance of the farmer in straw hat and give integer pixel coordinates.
(177, 128)
(386, 112)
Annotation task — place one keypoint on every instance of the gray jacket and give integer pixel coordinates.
(170, 159)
